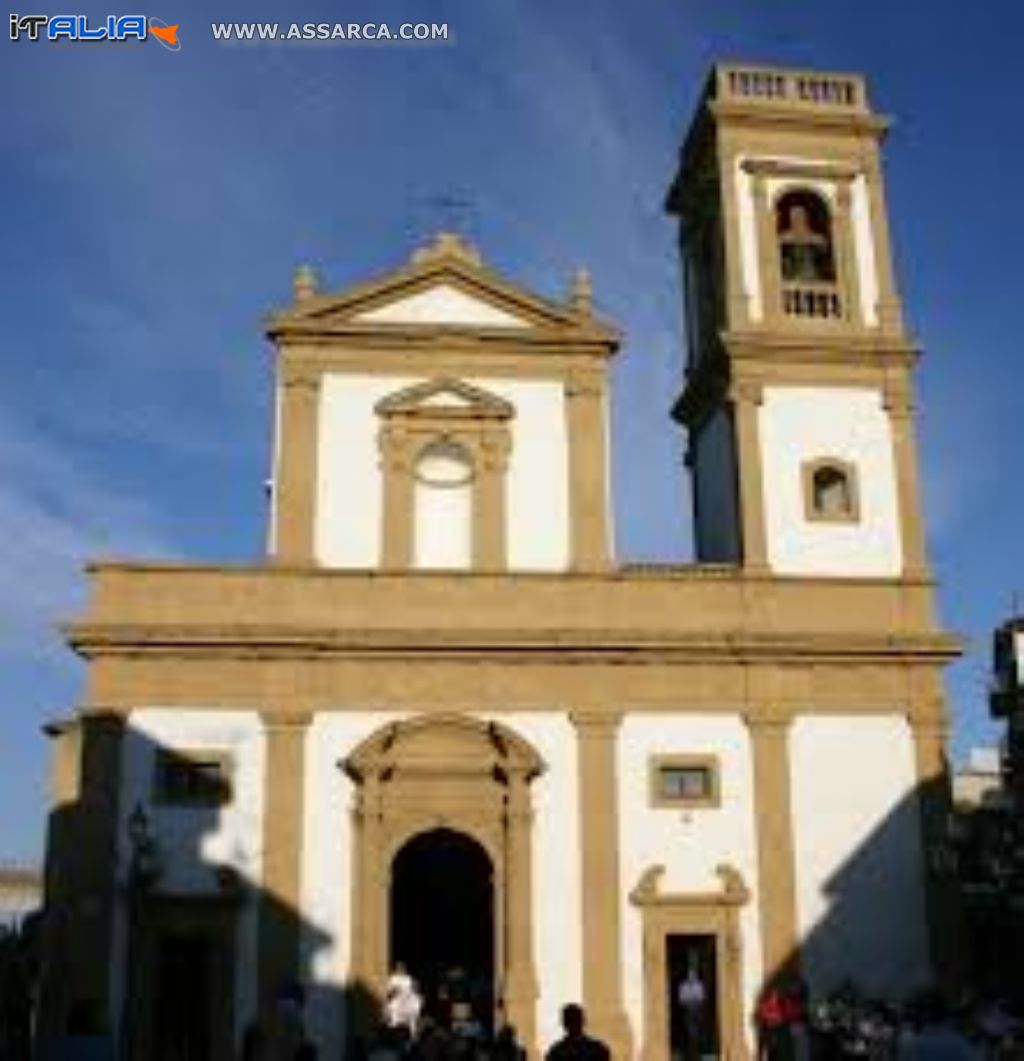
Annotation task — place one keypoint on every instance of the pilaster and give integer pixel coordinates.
(769, 739)
(283, 829)
(586, 403)
(296, 472)
(596, 732)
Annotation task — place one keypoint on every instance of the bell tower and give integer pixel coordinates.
(798, 391)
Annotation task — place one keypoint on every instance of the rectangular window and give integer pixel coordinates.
(684, 781)
(192, 779)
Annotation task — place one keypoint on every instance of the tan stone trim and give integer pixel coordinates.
(438, 684)
(890, 311)
(715, 914)
(283, 817)
(296, 473)
(586, 398)
(458, 772)
(908, 490)
(944, 912)
(767, 252)
(809, 470)
(596, 733)
(769, 737)
(82, 884)
(796, 169)
(409, 425)
(657, 797)
(746, 400)
(737, 296)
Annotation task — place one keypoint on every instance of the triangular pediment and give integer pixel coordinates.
(443, 396)
(443, 303)
(445, 285)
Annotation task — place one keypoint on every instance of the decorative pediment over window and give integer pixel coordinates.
(445, 397)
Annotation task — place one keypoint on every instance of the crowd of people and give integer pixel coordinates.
(848, 1025)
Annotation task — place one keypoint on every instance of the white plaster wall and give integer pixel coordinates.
(194, 841)
(349, 490)
(327, 878)
(557, 878)
(859, 883)
(443, 304)
(688, 844)
(798, 424)
(443, 526)
(714, 472)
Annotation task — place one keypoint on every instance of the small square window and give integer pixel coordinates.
(192, 779)
(684, 781)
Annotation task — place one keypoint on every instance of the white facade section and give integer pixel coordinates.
(443, 509)
(801, 424)
(715, 491)
(688, 844)
(864, 250)
(859, 870)
(327, 868)
(349, 504)
(193, 842)
(557, 863)
(442, 304)
(349, 512)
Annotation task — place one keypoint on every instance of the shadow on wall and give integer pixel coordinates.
(156, 936)
(889, 924)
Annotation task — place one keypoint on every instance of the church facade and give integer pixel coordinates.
(443, 725)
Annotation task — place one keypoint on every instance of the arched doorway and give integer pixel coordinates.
(442, 924)
(425, 788)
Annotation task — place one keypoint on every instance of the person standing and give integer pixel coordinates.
(576, 1045)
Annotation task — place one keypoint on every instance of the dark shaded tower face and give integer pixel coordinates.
(798, 389)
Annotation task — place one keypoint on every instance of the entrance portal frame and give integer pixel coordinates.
(452, 772)
(715, 914)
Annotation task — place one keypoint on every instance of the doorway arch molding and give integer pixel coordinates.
(455, 772)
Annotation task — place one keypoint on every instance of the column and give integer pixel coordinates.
(846, 262)
(890, 313)
(738, 297)
(296, 471)
(586, 404)
(767, 250)
(283, 829)
(82, 859)
(746, 399)
(520, 972)
(769, 741)
(489, 516)
(398, 500)
(947, 935)
(596, 732)
(904, 445)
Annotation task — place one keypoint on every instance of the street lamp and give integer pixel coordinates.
(143, 873)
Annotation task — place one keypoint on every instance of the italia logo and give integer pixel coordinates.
(80, 28)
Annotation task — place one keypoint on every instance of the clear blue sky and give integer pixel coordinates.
(155, 205)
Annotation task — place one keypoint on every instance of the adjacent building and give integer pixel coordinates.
(444, 723)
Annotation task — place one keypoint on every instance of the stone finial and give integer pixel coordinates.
(447, 245)
(581, 297)
(304, 284)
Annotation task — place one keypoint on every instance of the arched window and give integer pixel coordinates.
(443, 506)
(804, 229)
(830, 491)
